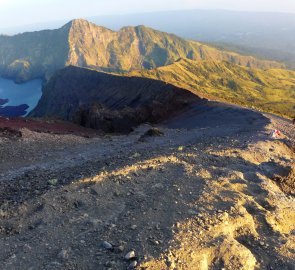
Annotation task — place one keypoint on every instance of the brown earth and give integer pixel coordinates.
(204, 195)
(12, 127)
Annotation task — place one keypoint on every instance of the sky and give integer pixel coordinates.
(23, 12)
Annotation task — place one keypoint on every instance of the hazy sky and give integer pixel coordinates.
(18, 12)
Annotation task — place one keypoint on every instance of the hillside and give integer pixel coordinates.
(81, 43)
(270, 90)
(270, 35)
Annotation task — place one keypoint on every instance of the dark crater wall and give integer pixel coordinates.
(109, 102)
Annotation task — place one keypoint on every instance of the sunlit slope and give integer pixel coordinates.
(84, 44)
(270, 90)
(141, 47)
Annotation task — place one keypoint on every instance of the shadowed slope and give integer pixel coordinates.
(109, 102)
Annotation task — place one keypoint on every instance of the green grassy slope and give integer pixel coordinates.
(270, 90)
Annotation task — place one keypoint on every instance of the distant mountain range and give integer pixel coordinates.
(81, 43)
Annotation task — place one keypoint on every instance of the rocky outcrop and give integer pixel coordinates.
(109, 102)
(81, 43)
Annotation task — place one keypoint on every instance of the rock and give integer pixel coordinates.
(117, 193)
(153, 132)
(130, 255)
(119, 249)
(133, 227)
(136, 155)
(170, 264)
(110, 264)
(53, 182)
(133, 264)
(107, 245)
(63, 254)
(158, 186)
(192, 212)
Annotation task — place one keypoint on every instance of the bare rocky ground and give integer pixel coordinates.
(214, 192)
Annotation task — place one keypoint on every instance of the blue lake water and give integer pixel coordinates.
(19, 99)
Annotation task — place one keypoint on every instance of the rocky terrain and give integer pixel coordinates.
(39, 54)
(206, 189)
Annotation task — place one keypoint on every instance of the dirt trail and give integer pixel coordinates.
(203, 196)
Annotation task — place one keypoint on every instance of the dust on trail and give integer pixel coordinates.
(203, 197)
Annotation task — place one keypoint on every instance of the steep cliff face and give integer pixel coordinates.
(81, 43)
(109, 102)
(33, 55)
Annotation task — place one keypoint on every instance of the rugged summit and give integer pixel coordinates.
(81, 43)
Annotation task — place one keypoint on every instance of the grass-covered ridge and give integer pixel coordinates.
(270, 90)
(81, 43)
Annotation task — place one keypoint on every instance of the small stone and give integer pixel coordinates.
(119, 249)
(95, 222)
(53, 182)
(130, 255)
(133, 227)
(117, 193)
(192, 212)
(171, 264)
(153, 132)
(63, 254)
(109, 264)
(133, 264)
(158, 186)
(136, 155)
(107, 245)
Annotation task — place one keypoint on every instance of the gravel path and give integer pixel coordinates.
(202, 195)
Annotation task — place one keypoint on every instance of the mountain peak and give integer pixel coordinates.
(82, 24)
(79, 22)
